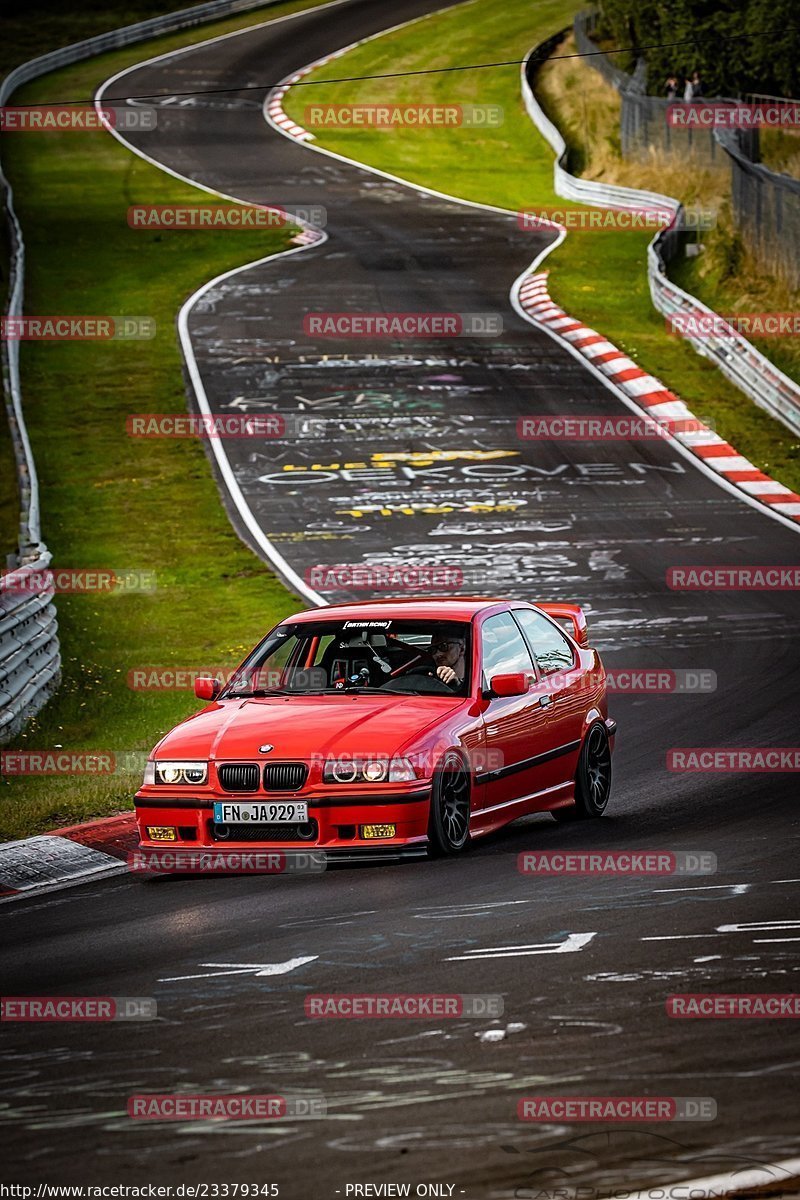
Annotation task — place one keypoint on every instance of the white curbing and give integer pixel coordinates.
(654, 400)
(50, 861)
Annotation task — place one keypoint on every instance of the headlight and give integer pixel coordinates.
(375, 771)
(192, 773)
(334, 771)
(401, 771)
(369, 770)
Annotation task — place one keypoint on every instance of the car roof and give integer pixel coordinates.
(443, 608)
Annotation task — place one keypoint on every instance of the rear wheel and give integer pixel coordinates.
(448, 827)
(592, 778)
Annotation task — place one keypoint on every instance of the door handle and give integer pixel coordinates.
(544, 701)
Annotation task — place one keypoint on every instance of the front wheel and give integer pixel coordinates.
(592, 778)
(448, 827)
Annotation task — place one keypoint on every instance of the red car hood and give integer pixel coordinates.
(301, 726)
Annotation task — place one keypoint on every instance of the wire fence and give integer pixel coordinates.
(765, 204)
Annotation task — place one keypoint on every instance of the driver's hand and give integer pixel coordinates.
(446, 674)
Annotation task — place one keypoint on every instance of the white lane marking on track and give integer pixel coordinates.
(763, 941)
(778, 926)
(677, 937)
(739, 889)
(759, 927)
(572, 943)
(258, 969)
(452, 912)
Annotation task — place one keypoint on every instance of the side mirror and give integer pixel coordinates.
(206, 688)
(515, 684)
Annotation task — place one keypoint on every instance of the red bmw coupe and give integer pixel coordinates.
(391, 727)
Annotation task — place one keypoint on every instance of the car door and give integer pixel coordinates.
(562, 680)
(516, 727)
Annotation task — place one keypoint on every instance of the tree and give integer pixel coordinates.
(738, 46)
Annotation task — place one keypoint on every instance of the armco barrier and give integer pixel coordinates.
(30, 662)
(736, 357)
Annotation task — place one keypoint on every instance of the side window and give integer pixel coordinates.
(553, 651)
(503, 648)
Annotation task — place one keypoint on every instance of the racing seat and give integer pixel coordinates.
(345, 657)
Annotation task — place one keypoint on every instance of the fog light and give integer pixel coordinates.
(370, 832)
(162, 833)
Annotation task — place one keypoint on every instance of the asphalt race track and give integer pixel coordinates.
(435, 1101)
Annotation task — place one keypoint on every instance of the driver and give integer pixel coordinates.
(447, 650)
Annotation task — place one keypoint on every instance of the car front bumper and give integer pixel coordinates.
(336, 822)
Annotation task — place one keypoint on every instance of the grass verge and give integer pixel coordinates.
(599, 277)
(109, 500)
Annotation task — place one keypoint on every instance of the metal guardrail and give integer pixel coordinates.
(735, 357)
(30, 664)
(766, 207)
(30, 660)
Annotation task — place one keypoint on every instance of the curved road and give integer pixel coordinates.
(435, 1101)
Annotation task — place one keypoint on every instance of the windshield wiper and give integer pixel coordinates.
(258, 692)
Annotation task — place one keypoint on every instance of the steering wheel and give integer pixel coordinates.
(424, 668)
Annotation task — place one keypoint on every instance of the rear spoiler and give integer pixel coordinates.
(569, 612)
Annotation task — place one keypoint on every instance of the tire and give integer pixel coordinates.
(448, 825)
(592, 778)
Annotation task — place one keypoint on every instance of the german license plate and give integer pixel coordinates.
(274, 813)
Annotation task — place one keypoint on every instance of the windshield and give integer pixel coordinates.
(321, 657)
